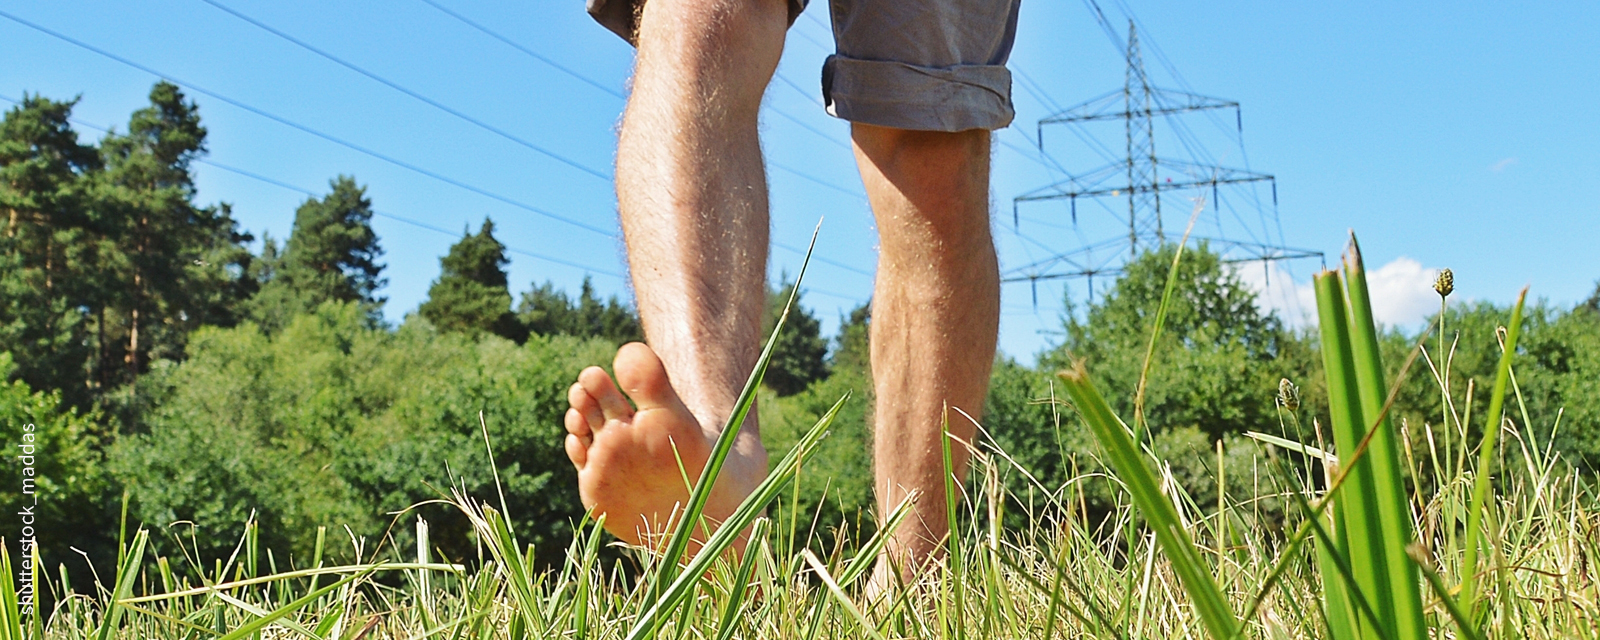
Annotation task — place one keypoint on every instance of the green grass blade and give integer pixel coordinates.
(678, 544)
(1336, 605)
(1158, 510)
(257, 624)
(1291, 445)
(32, 612)
(1392, 507)
(1140, 426)
(723, 539)
(838, 594)
(1341, 612)
(10, 614)
(591, 555)
(126, 574)
(1339, 477)
(1463, 623)
(741, 580)
(1491, 432)
(329, 618)
(952, 489)
(1364, 533)
(519, 578)
(868, 555)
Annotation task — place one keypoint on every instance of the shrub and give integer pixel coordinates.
(335, 423)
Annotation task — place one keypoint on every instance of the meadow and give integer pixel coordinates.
(1346, 520)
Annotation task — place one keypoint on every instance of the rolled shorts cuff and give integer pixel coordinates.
(907, 96)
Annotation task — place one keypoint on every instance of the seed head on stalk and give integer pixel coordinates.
(1288, 395)
(1444, 284)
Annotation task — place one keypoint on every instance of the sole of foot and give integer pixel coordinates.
(628, 454)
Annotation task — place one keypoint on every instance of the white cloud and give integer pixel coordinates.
(1402, 292)
(1277, 290)
(1503, 164)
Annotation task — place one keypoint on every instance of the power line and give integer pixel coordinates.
(531, 53)
(416, 223)
(412, 222)
(369, 152)
(429, 101)
(325, 136)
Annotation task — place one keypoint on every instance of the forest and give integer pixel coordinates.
(170, 373)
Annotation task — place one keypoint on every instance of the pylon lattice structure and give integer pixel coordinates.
(1141, 177)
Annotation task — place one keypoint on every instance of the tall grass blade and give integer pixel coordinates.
(1363, 533)
(1338, 477)
(741, 581)
(10, 612)
(873, 548)
(1463, 622)
(723, 539)
(1481, 481)
(1393, 509)
(689, 519)
(838, 594)
(1140, 426)
(585, 574)
(1158, 510)
(952, 489)
(126, 574)
(261, 622)
(497, 536)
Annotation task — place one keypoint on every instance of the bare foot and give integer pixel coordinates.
(627, 469)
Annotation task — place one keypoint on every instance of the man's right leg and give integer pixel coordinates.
(692, 192)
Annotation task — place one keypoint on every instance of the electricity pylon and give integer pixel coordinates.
(1141, 177)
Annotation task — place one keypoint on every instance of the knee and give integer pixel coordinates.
(700, 32)
(943, 176)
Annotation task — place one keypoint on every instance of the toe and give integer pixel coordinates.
(587, 408)
(641, 374)
(577, 425)
(605, 394)
(577, 451)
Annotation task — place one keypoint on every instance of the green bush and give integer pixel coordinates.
(335, 423)
(1219, 357)
(71, 501)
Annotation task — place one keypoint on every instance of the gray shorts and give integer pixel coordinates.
(927, 65)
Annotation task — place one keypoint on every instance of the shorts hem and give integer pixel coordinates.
(906, 96)
(622, 16)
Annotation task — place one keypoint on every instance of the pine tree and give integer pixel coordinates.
(331, 256)
(168, 266)
(470, 295)
(800, 356)
(45, 247)
(852, 348)
(546, 311)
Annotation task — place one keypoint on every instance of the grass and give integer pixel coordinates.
(1504, 545)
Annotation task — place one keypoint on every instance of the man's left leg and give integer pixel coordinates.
(935, 316)
(923, 84)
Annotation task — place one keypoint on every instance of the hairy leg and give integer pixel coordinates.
(935, 315)
(692, 191)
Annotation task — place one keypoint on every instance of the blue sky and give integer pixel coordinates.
(1459, 135)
